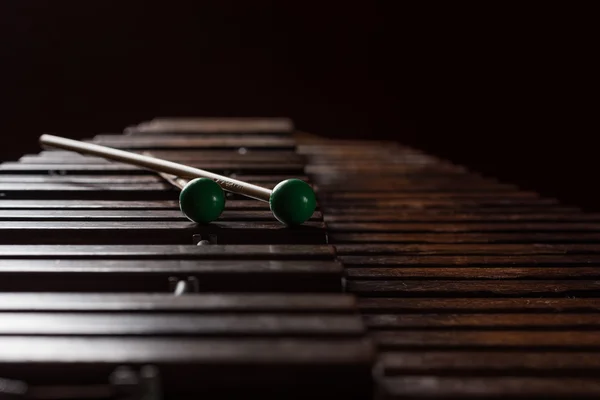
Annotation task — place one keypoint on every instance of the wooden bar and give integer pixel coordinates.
(431, 208)
(263, 142)
(106, 273)
(495, 321)
(126, 179)
(428, 201)
(459, 249)
(131, 215)
(161, 252)
(485, 339)
(453, 217)
(473, 363)
(157, 232)
(153, 325)
(464, 227)
(179, 361)
(126, 169)
(467, 237)
(481, 305)
(473, 288)
(207, 303)
(245, 156)
(149, 205)
(427, 387)
(495, 273)
(508, 261)
(341, 196)
(212, 126)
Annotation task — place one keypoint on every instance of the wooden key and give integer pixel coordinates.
(213, 126)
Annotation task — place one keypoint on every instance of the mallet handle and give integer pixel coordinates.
(156, 164)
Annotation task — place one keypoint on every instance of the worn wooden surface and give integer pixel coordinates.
(157, 232)
(132, 215)
(233, 155)
(209, 303)
(469, 287)
(191, 366)
(149, 205)
(99, 274)
(208, 252)
(220, 143)
(466, 287)
(122, 169)
(218, 126)
(99, 269)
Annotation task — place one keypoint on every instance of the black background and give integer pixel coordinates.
(339, 69)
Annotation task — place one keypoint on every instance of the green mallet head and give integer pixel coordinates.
(293, 201)
(202, 200)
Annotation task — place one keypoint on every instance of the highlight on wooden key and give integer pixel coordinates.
(292, 201)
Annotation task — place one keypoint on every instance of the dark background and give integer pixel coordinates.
(339, 69)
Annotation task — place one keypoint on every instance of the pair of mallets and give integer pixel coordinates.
(202, 200)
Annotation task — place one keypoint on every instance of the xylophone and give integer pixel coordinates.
(414, 278)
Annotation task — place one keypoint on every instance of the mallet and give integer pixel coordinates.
(292, 201)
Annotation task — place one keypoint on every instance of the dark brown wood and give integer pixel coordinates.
(429, 202)
(483, 321)
(343, 148)
(468, 287)
(453, 217)
(459, 363)
(472, 260)
(41, 187)
(208, 303)
(459, 249)
(117, 205)
(456, 373)
(427, 387)
(466, 227)
(508, 338)
(495, 273)
(396, 182)
(80, 179)
(373, 158)
(157, 232)
(74, 191)
(280, 363)
(386, 187)
(160, 142)
(480, 305)
(101, 192)
(179, 324)
(104, 191)
(176, 138)
(120, 168)
(363, 171)
(368, 196)
(217, 126)
(464, 238)
(474, 288)
(428, 208)
(180, 155)
(131, 215)
(128, 179)
(57, 274)
(161, 252)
